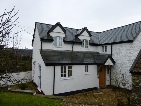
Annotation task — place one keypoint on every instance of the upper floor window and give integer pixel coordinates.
(66, 71)
(86, 68)
(58, 41)
(85, 43)
(104, 48)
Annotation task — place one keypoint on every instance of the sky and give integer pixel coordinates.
(96, 15)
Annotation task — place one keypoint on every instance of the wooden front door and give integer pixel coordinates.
(102, 77)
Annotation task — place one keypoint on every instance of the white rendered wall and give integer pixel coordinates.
(84, 35)
(58, 29)
(47, 80)
(77, 47)
(35, 56)
(124, 56)
(49, 45)
(99, 49)
(107, 77)
(45, 73)
(80, 80)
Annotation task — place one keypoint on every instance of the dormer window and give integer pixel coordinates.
(58, 41)
(85, 43)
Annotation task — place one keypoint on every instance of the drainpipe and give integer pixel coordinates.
(110, 74)
(111, 50)
(72, 46)
(110, 66)
(54, 81)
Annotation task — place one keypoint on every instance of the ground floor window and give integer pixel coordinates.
(66, 71)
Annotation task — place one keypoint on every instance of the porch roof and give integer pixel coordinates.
(56, 57)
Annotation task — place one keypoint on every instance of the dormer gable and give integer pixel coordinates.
(58, 28)
(84, 34)
(57, 32)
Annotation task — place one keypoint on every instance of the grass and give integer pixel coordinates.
(18, 99)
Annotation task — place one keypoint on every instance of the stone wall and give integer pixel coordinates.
(136, 88)
(15, 78)
(124, 56)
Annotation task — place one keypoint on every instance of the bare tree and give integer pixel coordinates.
(8, 20)
(9, 60)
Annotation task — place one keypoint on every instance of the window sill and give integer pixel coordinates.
(66, 78)
(58, 46)
(84, 48)
(86, 73)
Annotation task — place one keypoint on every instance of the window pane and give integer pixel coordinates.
(102, 48)
(69, 73)
(82, 44)
(86, 43)
(64, 69)
(55, 41)
(61, 75)
(69, 67)
(105, 48)
(61, 69)
(64, 75)
(60, 41)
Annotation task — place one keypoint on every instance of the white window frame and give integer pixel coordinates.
(65, 71)
(104, 48)
(87, 70)
(85, 43)
(58, 42)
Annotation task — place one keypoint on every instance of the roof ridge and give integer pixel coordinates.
(120, 26)
(43, 23)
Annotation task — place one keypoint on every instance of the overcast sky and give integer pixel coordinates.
(96, 15)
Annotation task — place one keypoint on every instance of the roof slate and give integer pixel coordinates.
(115, 35)
(73, 57)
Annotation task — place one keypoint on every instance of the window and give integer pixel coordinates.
(104, 48)
(66, 71)
(85, 43)
(58, 41)
(86, 68)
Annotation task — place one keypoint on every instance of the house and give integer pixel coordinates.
(67, 60)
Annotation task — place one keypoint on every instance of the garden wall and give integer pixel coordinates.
(15, 78)
(136, 95)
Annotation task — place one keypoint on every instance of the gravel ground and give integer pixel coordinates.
(106, 97)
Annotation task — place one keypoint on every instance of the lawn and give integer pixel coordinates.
(18, 99)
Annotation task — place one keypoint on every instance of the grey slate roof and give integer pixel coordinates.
(120, 34)
(54, 57)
